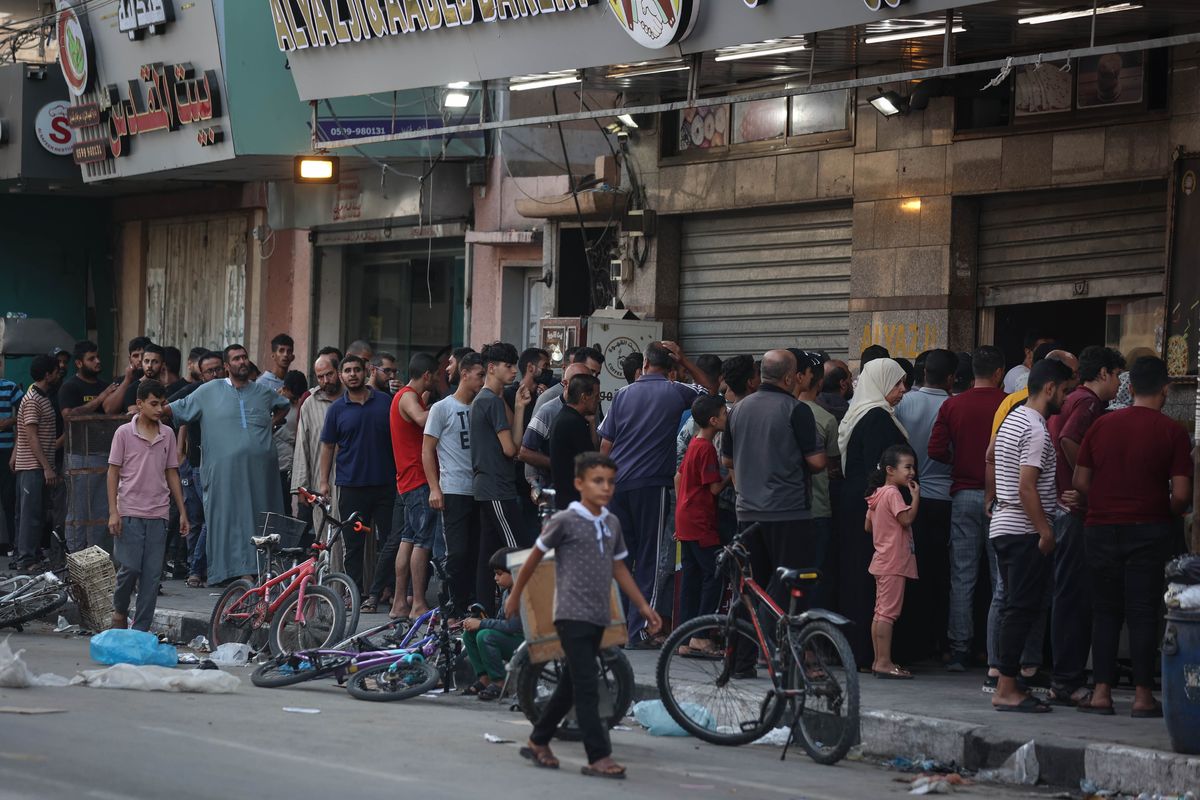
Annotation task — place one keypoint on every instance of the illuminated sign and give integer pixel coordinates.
(656, 23)
(136, 17)
(75, 50)
(327, 23)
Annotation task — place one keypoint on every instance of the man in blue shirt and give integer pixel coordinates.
(357, 427)
(639, 434)
(10, 398)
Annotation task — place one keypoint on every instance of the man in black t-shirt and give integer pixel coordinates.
(153, 362)
(87, 507)
(573, 432)
(533, 372)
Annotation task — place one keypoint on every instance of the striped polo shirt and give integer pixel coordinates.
(10, 398)
(36, 409)
(1023, 441)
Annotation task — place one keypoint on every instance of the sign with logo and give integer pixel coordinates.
(75, 51)
(656, 23)
(52, 128)
(136, 17)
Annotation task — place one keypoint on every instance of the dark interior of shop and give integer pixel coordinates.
(1073, 323)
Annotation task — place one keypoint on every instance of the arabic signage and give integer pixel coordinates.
(137, 17)
(332, 130)
(656, 23)
(52, 130)
(327, 23)
(75, 50)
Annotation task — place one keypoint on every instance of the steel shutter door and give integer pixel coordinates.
(752, 282)
(1101, 241)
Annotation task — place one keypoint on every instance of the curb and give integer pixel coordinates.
(179, 627)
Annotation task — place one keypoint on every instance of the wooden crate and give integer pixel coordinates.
(537, 611)
(93, 579)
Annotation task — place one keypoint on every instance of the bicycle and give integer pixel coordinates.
(716, 695)
(341, 583)
(296, 611)
(24, 598)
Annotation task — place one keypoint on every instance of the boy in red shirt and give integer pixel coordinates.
(697, 485)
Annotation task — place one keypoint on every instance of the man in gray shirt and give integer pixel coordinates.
(495, 439)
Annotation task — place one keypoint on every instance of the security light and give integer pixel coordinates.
(317, 168)
(889, 104)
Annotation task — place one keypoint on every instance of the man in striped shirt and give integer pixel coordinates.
(10, 398)
(33, 460)
(1022, 527)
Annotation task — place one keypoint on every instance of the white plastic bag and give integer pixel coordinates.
(231, 654)
(1021, 767)
(654, 717)
(15, 673)
(158, 679)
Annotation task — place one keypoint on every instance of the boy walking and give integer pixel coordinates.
(143, 478)
(589, 552)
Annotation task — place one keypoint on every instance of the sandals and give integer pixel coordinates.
(475, 688)
(615, 772)
(541, 758)
(1085, 707)
(685, 651)
(491, 692)
(369, 606)
(893, 674)
(1030, 705)
(195, 582)
(1154, 712)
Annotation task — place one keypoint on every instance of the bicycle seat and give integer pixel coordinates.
(299, 552)
(264, 541)
(798, 578)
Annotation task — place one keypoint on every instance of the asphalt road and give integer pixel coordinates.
(152, 745)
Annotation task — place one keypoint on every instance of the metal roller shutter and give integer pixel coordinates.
(1105, 241)
(752, 282)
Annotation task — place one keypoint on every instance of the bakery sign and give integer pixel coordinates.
(300, 24)
(166, 97)
(656, 23)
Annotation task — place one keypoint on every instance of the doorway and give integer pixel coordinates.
(1121, 322)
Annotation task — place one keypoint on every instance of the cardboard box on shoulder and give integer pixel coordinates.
(537, 611)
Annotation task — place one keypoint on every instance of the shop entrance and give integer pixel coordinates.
(1123, 323)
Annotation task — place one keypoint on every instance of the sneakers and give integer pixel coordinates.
(960, 661)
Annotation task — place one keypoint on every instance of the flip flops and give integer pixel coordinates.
(545, 759)
(1148, 713)
(1030, 705)
(893, 674)
(615, 773)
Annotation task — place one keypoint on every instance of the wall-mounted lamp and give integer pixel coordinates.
(889, 103)
(317, 169)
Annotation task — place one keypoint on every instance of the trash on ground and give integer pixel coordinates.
(1021, 767)
(63, 626)
(777, 737)
(149, 678)
(115, 646)
(19, 710)
(1181, 596)
(189, 658)
(621, 728)
(856, 753)
(653, 716)
(15, 673)
(927, 784)
(494, 739)
(231, 654)
(1185, 570)
(200, 645)
(301, 710)
(920, 763)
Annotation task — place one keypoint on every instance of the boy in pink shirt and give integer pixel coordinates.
(143, 478)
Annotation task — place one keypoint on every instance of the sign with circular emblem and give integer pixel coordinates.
(52, 130)
(656, 23)
(74, 51)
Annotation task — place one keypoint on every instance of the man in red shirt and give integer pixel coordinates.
(1099, 373)
(1135, 469)
(407, 551)
(960, 438)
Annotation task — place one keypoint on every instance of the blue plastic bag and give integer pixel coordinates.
(653, 716)
(117, 646)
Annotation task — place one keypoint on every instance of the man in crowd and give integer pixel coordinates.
(193, 365)
(533, 373)
(837, 388)
(960, 437)
(85, 393)
(383, 373)
(495, 440)
(1135, 469)
(808, 384)
(10, 400)
(589, 357)
(306, 458)
(152, 369)
(406, 554)
(1021, 530)
(172, 379)
(240, 469)
(115, 404)
(209, 367)
(362, 349)
(573, 432)
(925, 614)
(33, 461)
(282, 356)
(631, 367)
(356, 435)
(535, 446)
(454, 365)
(1014, 379)
(446, 458)
(1100, 375)
(639, 434)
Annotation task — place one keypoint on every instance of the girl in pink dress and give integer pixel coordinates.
(889, 521)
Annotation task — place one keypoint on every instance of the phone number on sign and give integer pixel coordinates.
(363, 130)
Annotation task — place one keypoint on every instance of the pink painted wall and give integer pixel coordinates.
(287, 304)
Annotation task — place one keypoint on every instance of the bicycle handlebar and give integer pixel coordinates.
(352, 522)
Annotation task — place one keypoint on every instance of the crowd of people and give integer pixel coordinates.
(959, 512)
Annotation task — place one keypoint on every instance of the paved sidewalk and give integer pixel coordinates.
(939, 715)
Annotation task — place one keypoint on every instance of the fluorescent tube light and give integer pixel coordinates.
(627, 120)
(458, 85)
(772, 51)
(919, 33)
(456, 100)
(544, 83)
(1059, 16)
(649, 70)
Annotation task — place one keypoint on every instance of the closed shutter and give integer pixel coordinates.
(1103, 241)
(196, 281)
(752, 282)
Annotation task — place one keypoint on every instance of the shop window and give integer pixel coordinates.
(799, 121)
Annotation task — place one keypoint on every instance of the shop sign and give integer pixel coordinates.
(332, 130)
(327, 23)
(136, 17)
(83, 116)
(91, 151)
(75, 51)
(175, 95)
(52, 128)
(656, 23)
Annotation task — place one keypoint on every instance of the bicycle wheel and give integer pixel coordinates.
(296, 668)
(344, 587)
(828, 709)
(233, 600)
(700, 693)
(398, 681)
(537, 682)
(29, 607)
(323, 617)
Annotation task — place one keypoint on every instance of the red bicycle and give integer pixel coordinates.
(289, 611)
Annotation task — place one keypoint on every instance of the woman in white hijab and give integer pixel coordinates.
(869, 427)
